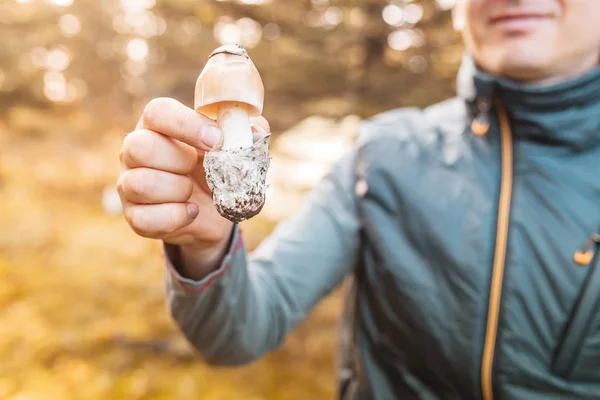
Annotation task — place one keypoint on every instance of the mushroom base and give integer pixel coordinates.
(237, 180)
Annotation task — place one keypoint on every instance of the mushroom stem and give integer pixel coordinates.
(233, 119)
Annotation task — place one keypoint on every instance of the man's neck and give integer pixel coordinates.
(581, 67)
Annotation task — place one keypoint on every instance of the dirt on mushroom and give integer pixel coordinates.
(237, 179)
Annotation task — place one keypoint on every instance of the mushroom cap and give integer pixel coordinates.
(229, 76)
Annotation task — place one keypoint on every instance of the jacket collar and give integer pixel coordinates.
(565, 114)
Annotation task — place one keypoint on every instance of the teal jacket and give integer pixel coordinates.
(471, 253)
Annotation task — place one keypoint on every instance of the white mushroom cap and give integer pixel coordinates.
(229, 76)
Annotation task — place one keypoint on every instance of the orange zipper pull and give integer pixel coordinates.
(481, 122)
(585, 254)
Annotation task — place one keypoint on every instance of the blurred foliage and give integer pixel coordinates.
(82, 312)
(334, 57)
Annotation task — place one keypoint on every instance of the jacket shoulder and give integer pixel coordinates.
(412, 132)
(420, 125)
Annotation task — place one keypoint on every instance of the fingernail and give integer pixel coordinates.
(192, 210)
(210, 135)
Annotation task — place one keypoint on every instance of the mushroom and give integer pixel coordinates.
(230, 90)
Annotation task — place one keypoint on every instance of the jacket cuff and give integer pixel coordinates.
(173, 262)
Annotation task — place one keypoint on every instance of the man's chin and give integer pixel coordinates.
(520, 64)
(524, 72)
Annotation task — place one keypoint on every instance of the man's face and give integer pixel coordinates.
(532, 40)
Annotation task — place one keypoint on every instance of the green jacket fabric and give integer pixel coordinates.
(472, 257)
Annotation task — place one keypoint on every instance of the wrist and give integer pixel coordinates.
(196, 262)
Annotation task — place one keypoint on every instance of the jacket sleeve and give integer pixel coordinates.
(244, 309)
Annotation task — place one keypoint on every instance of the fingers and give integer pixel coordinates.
(145, 148)
(261, 122)
(151, 186)
(159, 220)
(173, 119)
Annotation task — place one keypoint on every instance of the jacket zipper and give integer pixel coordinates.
(499, 254)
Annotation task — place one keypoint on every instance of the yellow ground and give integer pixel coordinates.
(82, 312)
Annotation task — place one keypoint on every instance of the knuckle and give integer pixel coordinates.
(149, 113)
(154, 110)
(139, 221)
(138, 148)
(138, 183)
(121, 186)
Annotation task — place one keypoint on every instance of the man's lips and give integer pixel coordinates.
(519, 21)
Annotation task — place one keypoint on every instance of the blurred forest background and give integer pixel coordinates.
(82, 312)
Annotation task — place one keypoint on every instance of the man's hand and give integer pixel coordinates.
(163, 187)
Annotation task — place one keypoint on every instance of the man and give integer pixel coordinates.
(469, 227)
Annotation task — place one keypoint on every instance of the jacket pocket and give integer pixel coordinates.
(573, 349)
